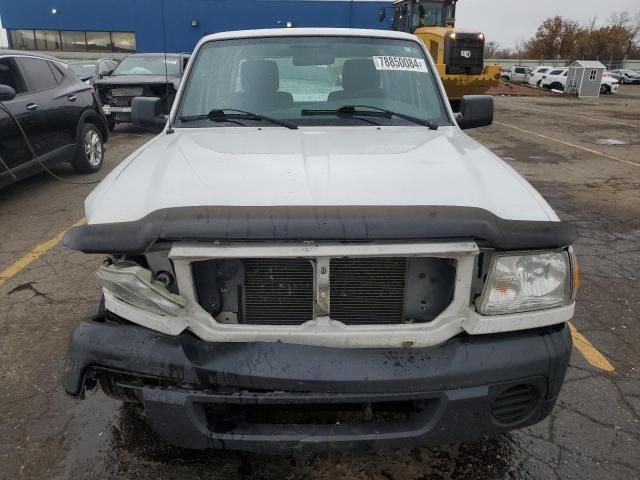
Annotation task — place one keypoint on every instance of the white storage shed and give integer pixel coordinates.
(584, 78)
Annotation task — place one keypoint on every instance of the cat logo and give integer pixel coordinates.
(465, 53)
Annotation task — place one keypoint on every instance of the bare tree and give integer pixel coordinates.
(490, 49)
(569, 35)
(625, 33)
(505, 53)
(545, 41)
(520, 48)
(617, 38)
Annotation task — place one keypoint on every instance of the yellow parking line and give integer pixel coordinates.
(590, 353)
(579, 147)
(34, 254)
(512, 106)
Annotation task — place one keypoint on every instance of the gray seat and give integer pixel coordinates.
(359, 79)
(260, 80)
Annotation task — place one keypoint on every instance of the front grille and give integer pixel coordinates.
(464, 54)
(278, 291)
(363, 290)
(515, 404)
(121, 101)
(368, 290)
(226, 418)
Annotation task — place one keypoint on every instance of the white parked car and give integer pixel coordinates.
(537, 73)
(555, 80)
(320, 258)
(609, 85)
(558, 81)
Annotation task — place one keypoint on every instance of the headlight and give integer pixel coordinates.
(525, 282)
(134, 285)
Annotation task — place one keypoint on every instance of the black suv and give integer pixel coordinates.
(59, 113)
(141, 75)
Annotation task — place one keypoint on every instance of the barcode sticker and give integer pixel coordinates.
(408, 64)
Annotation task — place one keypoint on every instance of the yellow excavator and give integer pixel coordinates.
(458, 54)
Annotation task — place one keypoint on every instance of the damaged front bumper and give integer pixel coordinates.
(281, 397)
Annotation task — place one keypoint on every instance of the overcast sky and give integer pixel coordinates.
(504, 21)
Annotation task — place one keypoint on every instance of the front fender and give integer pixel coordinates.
(96, 117)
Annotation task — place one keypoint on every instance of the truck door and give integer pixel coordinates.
(519, 74)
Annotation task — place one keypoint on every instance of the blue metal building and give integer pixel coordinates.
(137, 25)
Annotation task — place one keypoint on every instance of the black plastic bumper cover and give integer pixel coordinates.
(459, 380)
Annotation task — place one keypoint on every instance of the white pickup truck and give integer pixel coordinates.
(516, 74)
(312, 254)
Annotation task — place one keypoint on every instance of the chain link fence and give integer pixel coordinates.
(611, 64)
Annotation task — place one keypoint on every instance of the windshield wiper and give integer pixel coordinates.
(353, 110)
(221, 115)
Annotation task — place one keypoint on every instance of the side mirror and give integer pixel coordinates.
(7, 93)
(475, 111)
(382, 14)
(146, 112)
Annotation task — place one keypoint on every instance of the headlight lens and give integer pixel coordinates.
(526, 282)
(134, 285)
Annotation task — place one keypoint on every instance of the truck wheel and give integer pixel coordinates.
(605, 89)
(556, 86)
(504, 78)
(90, 150)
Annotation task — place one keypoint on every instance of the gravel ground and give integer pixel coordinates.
(519, 90)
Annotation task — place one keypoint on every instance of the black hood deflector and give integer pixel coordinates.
(352, 223)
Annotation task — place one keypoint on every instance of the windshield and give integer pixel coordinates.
(286, 77)
(83, 69)
(429, 14)
(151, 65)
(411, 14)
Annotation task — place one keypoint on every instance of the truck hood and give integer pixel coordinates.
(120, 80)
(311, 166)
